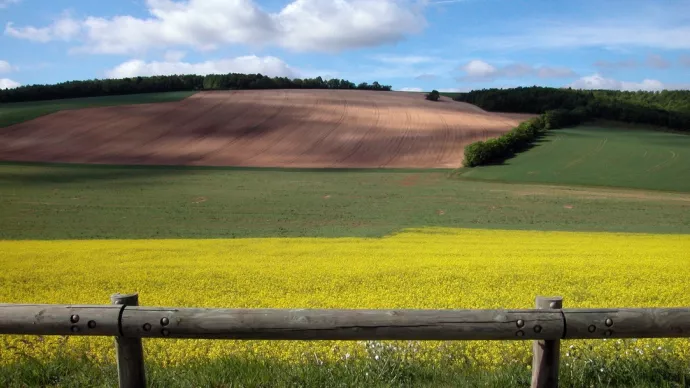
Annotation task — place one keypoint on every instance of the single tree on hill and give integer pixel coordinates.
(433, 96)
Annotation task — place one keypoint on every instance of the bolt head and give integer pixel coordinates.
(74, 329)
(91, 324)
(165, 321)
(609, 322)
(147, 327)
(74, 318)
(520, 323)
(537, 329)
(165, 332)
(592, 328)
(553, 305)
(608, 333)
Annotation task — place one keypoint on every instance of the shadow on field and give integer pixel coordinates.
(37, 173)
(42, 173)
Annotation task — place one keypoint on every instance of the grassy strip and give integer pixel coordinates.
(15, 113)
(86, 202)
(385, 372)
(599, 154)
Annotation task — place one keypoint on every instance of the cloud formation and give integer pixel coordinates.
(6, 83)
(478, 70)
(270, 66)
(64, 29)
(597, 81)
(7, 3)
(5, 67)
(411, 90)
(302, 25)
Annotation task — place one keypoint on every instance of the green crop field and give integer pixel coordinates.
(23, 111)
(604, 154)
(84, 202)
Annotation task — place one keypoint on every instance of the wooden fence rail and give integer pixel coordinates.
(547, 325)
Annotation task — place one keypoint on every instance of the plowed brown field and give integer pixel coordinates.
(271, 128)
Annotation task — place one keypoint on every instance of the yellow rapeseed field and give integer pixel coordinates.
(427, 268)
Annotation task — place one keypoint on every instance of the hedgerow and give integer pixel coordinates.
(520, 138)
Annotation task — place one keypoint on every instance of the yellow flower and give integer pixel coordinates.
(424, 268)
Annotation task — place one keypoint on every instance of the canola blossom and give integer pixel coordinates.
(423, 268)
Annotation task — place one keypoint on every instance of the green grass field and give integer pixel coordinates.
(15, 113)
(85, 202)
(604, 154)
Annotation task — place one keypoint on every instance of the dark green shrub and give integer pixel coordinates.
(433, 96)
(498, 149)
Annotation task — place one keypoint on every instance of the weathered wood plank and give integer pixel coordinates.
(546, 353)
(130, 352)
(627, 323)
(341, 324)
(45, 319)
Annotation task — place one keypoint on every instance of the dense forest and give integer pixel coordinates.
(665, 108)
(232, 81)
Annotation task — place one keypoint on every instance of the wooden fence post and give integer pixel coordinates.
(547, 353)
(130, 352)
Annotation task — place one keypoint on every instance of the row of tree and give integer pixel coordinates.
(172, 83)
(666, 108)
(521, 137)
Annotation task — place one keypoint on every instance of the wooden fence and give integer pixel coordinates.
(546, 325)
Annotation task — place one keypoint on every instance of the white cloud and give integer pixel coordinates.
(7, 3)
(327, 25)
(454, 90)
(5, 67)
(174, 55)
(64, 28)
(6, 83)
(477, 70)
(411, 90)
(597, 81)
(270, 66)
(302, 25)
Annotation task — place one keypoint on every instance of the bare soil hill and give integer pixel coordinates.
(268, 128)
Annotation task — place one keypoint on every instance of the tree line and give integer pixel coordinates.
(664, 108)
(172, 83)
(519, 138)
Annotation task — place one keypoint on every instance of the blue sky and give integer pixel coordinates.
(410, 44)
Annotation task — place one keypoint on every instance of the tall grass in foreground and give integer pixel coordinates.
(387, 371)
